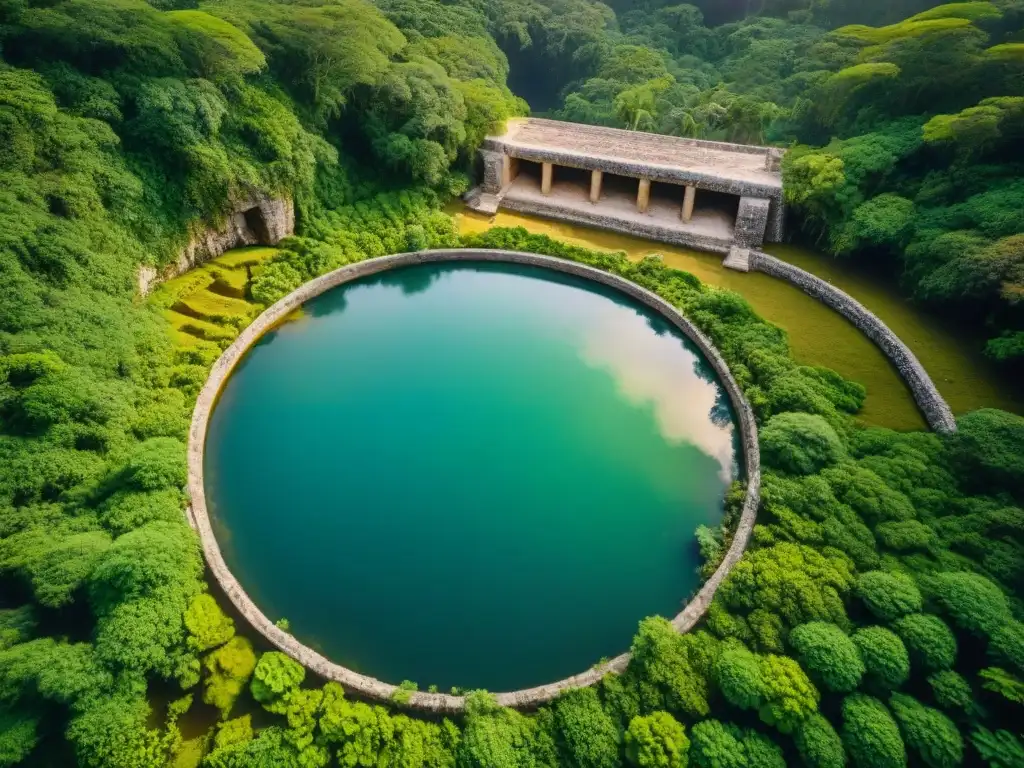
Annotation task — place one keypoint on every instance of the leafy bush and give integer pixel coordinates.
(870, 734)
(888, 595)
(800, 443)
(928, 639)
(829, 655)
(885, 657)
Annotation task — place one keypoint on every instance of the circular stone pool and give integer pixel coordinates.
(468, 474)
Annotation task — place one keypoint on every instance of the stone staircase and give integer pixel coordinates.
(738, 259)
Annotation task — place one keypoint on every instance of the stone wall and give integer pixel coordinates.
(751, 221)
(933, 406)
(650, 230)
(492, 166)
(776, 230)
(254, 221)
(376, 689)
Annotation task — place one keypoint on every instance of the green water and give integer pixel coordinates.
(472, 475)
(818, 335)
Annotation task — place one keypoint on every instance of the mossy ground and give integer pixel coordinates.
(208, 306)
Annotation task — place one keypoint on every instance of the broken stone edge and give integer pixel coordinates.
(369, 687)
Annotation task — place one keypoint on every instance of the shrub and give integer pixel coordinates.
(928, 639)
(818, 743)
(589, 735)
(951, 690)
(738, 674)
(928, 732)
(885, 657)
(905, 535)
(870, 735)
(888, 595)
(987, 450)
(800, 443)
(975, 603)
(789, 696)
(714, 745)
(275, 675)
(830, 656)
(657, 741)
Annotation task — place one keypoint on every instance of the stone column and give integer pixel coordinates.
(595, 185)
(688, 198)
(643, 195)
(546, 171)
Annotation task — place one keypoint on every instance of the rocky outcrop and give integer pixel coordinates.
(932, 405)
(377, 689)
(257, 220)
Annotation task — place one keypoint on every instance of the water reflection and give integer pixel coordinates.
(649, 369)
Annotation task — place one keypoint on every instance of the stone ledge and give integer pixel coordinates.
(372, 688)
(646, 230)
(933, 406)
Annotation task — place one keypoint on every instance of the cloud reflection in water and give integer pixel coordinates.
(689, 405)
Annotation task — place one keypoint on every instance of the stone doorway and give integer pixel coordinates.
(256, 223)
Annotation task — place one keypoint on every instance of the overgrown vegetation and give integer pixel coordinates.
(875, 619)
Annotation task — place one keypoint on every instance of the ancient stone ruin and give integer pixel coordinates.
(700, 194)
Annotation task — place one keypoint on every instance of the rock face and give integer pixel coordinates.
(254, 221)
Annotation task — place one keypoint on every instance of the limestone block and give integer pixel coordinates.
(596, 178)
(751, 221)
(493, 163)
(773, 160)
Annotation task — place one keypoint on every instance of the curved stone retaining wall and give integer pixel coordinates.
(934, 407)
(371, 687)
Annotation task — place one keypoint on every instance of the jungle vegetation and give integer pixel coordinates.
(876, 619)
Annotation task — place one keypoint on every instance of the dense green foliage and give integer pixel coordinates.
(903, 135)
(875, 616)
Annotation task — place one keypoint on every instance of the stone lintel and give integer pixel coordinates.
(664, 173)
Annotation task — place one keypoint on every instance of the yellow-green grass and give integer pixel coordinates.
(206, 306)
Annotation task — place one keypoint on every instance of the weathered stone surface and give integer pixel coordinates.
(376, 689)
(254, 221)
(776, 230)
(734, 168)
(648, 229)
(493, 170)
(738, 259)
(933, 406)
(751, 221)
(749, 172)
